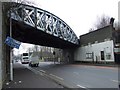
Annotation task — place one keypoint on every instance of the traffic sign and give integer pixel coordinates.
(12, 42)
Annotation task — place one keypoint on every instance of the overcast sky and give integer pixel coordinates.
(80, 15)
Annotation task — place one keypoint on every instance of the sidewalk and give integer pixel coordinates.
(98, 64)
(24, 78)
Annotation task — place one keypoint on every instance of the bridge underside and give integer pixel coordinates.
(24, 33)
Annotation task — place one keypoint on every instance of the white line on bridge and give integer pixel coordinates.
(56, 76)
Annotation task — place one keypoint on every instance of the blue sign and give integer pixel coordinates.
(12, 42)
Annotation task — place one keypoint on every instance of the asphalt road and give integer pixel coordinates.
(80, 76)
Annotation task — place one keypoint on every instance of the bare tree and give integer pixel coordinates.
(24, 2)
(102, 21)
(91, 29)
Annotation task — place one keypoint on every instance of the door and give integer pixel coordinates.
(102, 55)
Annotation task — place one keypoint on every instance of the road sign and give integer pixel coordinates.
(12, 42)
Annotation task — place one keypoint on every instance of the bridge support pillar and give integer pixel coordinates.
(4, 49)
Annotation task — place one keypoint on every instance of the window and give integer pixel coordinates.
(108, 56)
(25, 58)
(25, 54)
(107, 39)
(96, 42)
(89, 55)
(89, 44)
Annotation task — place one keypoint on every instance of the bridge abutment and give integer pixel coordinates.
(68, 55)
(4, 49)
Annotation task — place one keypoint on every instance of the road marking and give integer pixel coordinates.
(56, 76)
(81, 86)
(76, 73)
(43, 71)
(41, 74)
(36, 71)
(115, 81)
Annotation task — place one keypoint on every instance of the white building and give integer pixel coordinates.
(96, 46)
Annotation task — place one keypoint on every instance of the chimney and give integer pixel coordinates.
(112, 21)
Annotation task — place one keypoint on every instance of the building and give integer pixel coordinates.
(97, 46)
(117, 46)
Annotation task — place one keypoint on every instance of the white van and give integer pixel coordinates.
(34, 61)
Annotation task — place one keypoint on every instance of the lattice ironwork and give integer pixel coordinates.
(45, 21)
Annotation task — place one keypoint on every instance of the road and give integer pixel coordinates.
(80, 76)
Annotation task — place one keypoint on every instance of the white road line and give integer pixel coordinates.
(81, 86)
(116, 81)
(43, 71)
(36, 71)
(76, 73)
(56, 76)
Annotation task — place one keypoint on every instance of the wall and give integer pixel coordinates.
(107, 47)
(97, 35)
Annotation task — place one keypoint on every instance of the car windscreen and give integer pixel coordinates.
(25, 57)
(25, 54)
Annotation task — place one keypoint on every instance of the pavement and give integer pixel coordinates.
(25, 78)
(98, 64)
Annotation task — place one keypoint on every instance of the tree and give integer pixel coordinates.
(91, 29)
(24, 2)
(102, 21)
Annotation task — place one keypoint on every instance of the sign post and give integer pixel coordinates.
(13, 44)
(11, 63)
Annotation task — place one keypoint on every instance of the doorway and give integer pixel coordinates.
(102, 55)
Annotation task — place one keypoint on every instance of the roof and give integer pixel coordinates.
(98, 35)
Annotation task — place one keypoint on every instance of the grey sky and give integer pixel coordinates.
(80, 15)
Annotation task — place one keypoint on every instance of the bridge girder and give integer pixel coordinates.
(44, 21)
